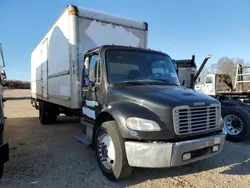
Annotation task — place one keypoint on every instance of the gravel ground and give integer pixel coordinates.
(49, 156)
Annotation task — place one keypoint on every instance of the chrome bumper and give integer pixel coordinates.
(160, 155)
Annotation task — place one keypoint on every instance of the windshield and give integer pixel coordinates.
(125, 66)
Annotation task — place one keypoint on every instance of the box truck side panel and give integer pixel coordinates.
(59, 61)
(50, 64)
(36, 73)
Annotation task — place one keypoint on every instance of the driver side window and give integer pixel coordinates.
(159, 68)
(94, 69)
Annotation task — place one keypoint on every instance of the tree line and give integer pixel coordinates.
(16, 84)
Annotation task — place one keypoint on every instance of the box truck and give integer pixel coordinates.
(133, 110)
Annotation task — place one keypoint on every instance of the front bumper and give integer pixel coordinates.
(4, 153)
(160, 155)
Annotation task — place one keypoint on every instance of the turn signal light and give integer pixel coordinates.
(186, 156)
(73, 12)
(215, 148)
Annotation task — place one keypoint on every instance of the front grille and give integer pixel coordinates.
(196, 119)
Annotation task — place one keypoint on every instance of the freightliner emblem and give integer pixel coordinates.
(199, 103)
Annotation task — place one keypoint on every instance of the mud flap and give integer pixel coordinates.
(4, 153)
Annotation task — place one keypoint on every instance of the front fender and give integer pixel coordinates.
(121, 111)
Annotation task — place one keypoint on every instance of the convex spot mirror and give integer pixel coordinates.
(86, 80)
(3, 75)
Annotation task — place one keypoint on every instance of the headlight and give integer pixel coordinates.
(139, 124)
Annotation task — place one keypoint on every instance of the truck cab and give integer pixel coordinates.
(137, 114)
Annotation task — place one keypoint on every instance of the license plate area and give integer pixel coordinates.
(4, 153)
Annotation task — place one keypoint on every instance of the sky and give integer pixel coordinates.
(179, 28)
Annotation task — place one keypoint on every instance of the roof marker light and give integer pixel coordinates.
(73, 12)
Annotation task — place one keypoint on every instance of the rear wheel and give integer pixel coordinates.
(110, 152)
(47, 113)
(235, 123)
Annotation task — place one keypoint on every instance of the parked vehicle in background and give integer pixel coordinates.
(4, 147)
(234, 97)
(129, 99)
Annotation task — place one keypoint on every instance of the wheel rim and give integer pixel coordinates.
(232, 124)
(106, 150)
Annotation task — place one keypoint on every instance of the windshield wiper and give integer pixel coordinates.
(167, 82)
(130, 83)
(147, 82)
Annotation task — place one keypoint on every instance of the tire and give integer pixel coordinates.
(237, 130)
(119, 169)
(47, 113)
(1, 165)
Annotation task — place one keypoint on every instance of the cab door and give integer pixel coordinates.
(91, 86)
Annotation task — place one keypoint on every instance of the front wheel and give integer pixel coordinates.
(110, 152)
(236, 124)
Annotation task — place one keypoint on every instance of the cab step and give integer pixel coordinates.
(84, 139)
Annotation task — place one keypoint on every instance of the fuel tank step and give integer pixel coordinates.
(84, 139)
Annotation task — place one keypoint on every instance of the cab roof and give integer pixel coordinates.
(104, 47)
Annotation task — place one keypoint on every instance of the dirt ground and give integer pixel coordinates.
(49, 156)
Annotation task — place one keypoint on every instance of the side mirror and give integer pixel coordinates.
(183, 83)
(175, 66)
(86, 80)
(3, 75)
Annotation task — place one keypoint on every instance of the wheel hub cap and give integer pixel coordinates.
(232, 124)
(106, 151)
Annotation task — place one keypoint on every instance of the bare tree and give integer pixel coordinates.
(226, 65)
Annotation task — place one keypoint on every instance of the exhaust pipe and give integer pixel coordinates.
(200, 69)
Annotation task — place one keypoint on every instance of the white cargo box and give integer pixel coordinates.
(57, 60)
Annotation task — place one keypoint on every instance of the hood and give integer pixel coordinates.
(161, 94)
